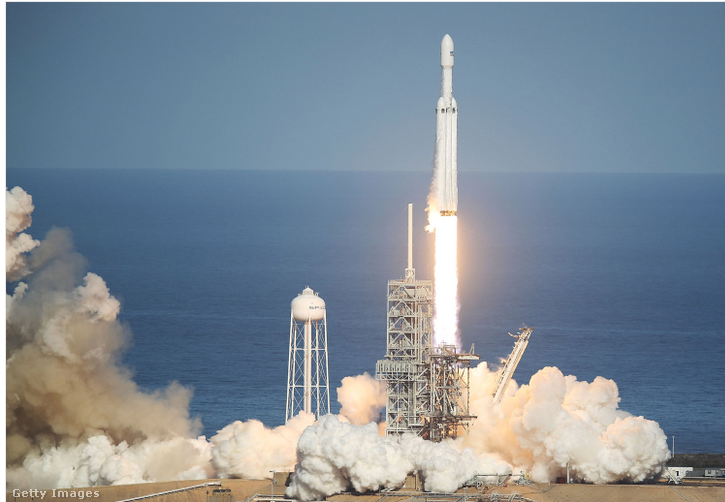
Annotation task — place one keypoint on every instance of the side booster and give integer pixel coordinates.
(446, 148)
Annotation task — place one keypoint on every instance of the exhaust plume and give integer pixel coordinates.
(445, 280)
(18, 208)
(336, 456)
(69, 401)
(250, 450)
(555, 420)
(538, 429)
(75, 417)
(362, 398)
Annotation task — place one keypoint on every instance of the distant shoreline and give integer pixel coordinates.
(698, 460)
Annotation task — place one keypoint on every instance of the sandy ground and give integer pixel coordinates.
(618, 493)
(243, 489)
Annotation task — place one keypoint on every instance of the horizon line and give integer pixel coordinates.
(397, 171)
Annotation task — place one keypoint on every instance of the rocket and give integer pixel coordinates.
(446, 148)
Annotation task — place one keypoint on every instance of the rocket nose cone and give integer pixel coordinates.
(447, 52)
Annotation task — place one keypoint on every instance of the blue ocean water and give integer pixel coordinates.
(622, 275)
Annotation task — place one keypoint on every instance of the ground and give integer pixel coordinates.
(244, 489)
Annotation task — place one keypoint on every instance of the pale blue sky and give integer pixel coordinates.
(541, 87)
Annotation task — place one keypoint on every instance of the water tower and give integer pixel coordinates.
(308, 387)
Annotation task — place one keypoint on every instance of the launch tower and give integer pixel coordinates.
(426, 386)
(308, 386)
(409, 339)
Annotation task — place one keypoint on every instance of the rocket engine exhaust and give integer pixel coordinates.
(443, 205)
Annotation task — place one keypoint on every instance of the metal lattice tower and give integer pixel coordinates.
(409, 339)
(426, 386)
(449, 376)
(308, 386)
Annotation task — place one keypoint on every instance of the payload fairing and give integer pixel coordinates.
(446, 149)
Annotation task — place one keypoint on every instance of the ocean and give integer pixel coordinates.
(621, 275)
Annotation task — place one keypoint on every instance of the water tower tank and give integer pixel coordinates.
(308, 306)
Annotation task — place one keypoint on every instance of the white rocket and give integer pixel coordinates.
(446, 149)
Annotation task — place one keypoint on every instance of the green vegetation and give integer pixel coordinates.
(697, 460)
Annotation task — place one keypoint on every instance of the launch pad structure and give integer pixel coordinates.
(427, 386)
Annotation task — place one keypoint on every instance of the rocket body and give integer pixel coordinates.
(446, 146)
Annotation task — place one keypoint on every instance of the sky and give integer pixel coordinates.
(573, 87)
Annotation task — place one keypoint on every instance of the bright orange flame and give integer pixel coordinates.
(445, 320)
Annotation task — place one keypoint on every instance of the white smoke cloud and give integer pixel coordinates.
(250, 450)
(18, 208)
(99, 461)
(537, 428)
(446, 466)
(362, 398)
(555, 420)
(336, 456)
(74, 415)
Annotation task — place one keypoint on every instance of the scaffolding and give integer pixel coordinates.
(409, 338)
(426, 386)
(449, 377)
(409, 335)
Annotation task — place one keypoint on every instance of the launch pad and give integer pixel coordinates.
(427, 386)
(449, 378)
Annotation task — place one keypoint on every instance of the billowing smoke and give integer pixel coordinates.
(75, 417)
(250, 450)
(538, 429)
(555, 420)
(336, 456)
(98, 460)
(362, 399)
(18, 207)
